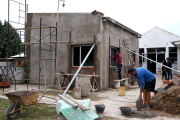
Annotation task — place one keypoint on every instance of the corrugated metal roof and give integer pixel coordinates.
(122, 26)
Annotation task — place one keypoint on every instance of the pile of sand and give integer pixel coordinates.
(167, 100)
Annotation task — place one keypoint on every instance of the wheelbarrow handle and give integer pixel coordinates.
(42, 97)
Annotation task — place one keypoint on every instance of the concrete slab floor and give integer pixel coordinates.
(110, 97)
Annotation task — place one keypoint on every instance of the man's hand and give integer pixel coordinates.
(140, 95)
(111, 57)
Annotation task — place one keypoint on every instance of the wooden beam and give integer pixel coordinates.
(68, 101)
(32, 28)
(78, 103)
(122, 79)
(45, 42)
(77, 74)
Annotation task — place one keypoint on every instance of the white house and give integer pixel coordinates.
(156, 44)
(177, 44)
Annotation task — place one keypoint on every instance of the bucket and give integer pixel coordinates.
(125, 111)
(165, 81)
(159, 72)
(115, 69)
(116, 84)
(122, 90)
(139, 103)
(100, 108)
(77, 92)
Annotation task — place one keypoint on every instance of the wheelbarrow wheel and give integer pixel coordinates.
(11, 109)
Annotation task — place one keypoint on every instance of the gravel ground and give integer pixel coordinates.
(110, 97)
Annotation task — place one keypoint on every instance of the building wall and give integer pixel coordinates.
(116, 35)
(80, 29)
(157, 38)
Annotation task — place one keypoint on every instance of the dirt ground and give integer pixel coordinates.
(110, 97)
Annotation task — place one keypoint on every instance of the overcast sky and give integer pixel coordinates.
(139, 15)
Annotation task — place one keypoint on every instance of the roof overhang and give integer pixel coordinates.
(122, 26)
(176, 43)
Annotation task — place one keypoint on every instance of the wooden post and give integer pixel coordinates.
(45, 72)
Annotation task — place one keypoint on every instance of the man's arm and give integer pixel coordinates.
(112, 58)
(141, 90)
(139, 84)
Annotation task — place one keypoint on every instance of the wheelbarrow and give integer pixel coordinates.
(18, 99)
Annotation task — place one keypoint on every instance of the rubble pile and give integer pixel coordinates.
(167, 100)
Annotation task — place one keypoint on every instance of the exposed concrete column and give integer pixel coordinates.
(101, 62)
(167, 52)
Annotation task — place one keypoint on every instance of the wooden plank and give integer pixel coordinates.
(45, 42)
(122, 79)
(45, 73)
(78, 103)
(32, 28)
(68, 101)
(78, 75)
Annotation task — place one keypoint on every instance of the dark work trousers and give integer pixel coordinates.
(169, 73)
(164, 74)
(119, 70)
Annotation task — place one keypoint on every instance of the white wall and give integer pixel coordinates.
(157, 38)
(178, 57)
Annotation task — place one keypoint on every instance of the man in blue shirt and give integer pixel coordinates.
(146, 81)
(169, 64)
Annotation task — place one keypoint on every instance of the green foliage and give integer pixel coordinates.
(13, 45)
(41, 112)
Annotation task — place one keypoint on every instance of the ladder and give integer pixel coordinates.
(132, 63)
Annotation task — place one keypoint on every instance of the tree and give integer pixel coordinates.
(11, 47)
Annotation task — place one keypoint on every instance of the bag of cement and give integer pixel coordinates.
(139, 103)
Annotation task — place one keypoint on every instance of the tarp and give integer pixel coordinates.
(71, 113)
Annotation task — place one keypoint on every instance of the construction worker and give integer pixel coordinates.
(146, 81)
(119, 63)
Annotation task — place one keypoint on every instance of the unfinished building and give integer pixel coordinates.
(80, 31)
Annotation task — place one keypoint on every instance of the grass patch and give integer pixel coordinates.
(41, 112)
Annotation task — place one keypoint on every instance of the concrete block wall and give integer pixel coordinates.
(117, 35)
(80, 29)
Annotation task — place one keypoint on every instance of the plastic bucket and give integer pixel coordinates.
(116, 84)
(122, 90)
(115, 69)
(139, 103)
(77, 92)
(100, 108)
(125, 111)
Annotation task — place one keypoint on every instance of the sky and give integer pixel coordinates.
(139, 15)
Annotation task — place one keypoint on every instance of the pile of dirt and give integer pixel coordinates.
(167, 100)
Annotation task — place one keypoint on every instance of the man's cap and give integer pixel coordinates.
(117, 51)
(167, 58)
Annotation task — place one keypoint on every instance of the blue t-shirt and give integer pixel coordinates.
(143, 75)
